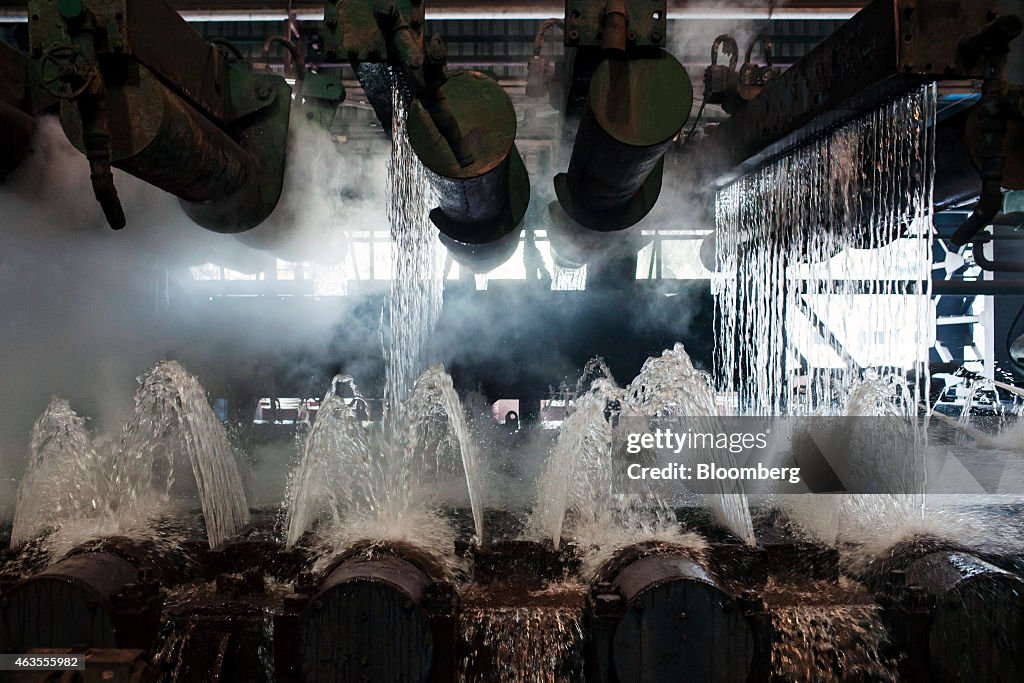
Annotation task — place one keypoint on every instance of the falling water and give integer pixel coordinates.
(172, 434)
(577, 486)
(382, 482)
(414, 300)
(833, 643)
(522, 645)
(569, 279)
(802, 310)
(367, 481)
(65, 476)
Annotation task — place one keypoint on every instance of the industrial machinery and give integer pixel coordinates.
(656, 610)
(379, 612)
(91, 599)
(16, 122)
(141, 91)
(886, 49)
(632, 98)
(462, 127)
(482, 204)
(959, 616)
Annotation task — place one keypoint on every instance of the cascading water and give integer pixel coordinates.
(414, 300)
(576, 488)
(65, 475)
(172, 454)
(364, 481)
(381, 482)
(174, 432)
(802, 309)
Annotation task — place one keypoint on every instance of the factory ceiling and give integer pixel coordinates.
(310, 10)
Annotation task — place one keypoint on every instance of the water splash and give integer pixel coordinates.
(825, 256)
(174, 433)
(834, 643)
(361, 481)
(576, 491)
(64, 480)
(522, 645)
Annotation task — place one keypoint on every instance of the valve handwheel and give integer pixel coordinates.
(66, 72)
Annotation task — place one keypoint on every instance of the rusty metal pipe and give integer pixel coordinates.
(614, 175)
(675, 616)
(613, 26)
(484, 201)
(163, 140)
(977, 622)
(374, 619)
(82, 600)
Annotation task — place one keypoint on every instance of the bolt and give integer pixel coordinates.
(263, 91)
(318, 605)
(332, 23)
(656, 35)
(574, 36)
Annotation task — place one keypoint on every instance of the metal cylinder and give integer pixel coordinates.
(486, 200)
(635, 107)
(366, 623)
(977, 625)
(678, 618)
(67, 605)
(158, 137)
(16, 124)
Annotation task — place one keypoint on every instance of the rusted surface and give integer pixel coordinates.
(16, 124)
(888, 47)
(614, 175)
(977, 628)
(68, 604)
(376, 618)
(677, 617)
(521, 560)
(169, 109)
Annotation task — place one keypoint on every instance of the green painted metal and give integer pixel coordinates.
(646, 22)
(642, 101)
(487, 199)
(351, 31)
(164, 105)
(486, 118)
(635, 107)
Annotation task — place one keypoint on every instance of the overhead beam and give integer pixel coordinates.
(309, 10)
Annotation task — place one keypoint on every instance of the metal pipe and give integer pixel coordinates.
(977, 619)
(157, 101)
(484, 201)
(387, 618)
(160, 138)
(92, 599)
(675, 616)
(614, 175)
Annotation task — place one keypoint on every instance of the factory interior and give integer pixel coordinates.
(605, 341)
